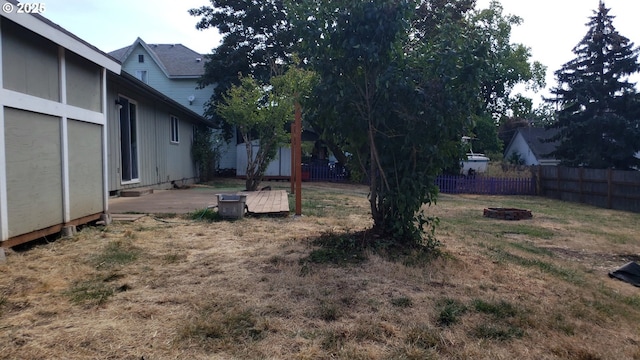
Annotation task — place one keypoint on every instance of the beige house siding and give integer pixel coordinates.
(179, 155)
(84, 83)
(52, 129)
(150, 161)
(160, 162)
(85, 168)
(30, 63)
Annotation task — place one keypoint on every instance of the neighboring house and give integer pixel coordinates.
(174, 70)
(73, 130)
(53, 116)
(150, 137)
(529, 144)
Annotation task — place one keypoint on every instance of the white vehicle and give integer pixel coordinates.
(475, 163)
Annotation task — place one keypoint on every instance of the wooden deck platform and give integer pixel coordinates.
(270, 202)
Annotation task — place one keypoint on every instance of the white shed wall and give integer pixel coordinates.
(279, 167)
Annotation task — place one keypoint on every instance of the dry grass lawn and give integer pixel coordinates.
(258, 288)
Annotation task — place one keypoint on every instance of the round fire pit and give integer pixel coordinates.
(507, 213)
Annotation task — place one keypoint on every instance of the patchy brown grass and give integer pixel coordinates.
(175, 288)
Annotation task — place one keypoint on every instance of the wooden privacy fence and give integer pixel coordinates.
(450, 184)
(612, 189)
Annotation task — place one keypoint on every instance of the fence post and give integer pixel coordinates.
(609, 188)
(559, 196)
(538, 181)
(580, 180)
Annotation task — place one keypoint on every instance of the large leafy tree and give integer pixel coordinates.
(260, 113)
(486, 135)
(256, 39)
(399, 103)
(599, 116)
(506, 64)
(399, 83)
(431, 14)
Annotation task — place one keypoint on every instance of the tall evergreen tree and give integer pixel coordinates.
(599, 109)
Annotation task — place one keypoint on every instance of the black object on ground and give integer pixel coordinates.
(630, 272)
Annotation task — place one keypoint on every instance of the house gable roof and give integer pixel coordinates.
(57, 34)
(152, 93)
(534, 137)
(175, 60)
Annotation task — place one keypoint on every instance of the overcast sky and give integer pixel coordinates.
(551, 28)
(113, 24)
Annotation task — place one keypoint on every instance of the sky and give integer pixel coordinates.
(113, 24)
(550, 28)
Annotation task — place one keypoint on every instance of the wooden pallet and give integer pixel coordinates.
(269, 202)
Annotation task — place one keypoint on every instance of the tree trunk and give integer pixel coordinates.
(250, 184)
(373, 187)
(337, 152)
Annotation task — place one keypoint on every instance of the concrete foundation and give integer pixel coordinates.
(69, 231)
(105, 219)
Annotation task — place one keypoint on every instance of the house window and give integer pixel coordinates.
(142, 75)
(128, 140)
(140, 58)
(175, 137)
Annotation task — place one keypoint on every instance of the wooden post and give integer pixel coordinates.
(298, 164)
(292, 176)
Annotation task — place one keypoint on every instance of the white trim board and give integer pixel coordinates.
(4, 208)
(64, 140)
(105, 144)
(32, 103)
